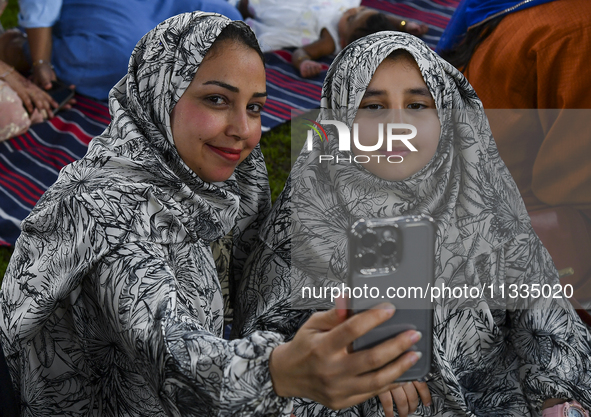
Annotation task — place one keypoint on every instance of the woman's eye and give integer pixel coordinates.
(255, 108)
(416, 106)
(216, 100)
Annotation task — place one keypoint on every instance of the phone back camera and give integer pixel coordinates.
(388, 248)
(368, 259)
(369, 239)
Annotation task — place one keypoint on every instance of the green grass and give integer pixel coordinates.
(5, 253)
(276, 146)
(9, 18)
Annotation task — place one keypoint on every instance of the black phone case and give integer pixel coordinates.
(395, 252)
(61, 93)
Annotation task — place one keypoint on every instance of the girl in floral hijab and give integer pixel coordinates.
(492, 355)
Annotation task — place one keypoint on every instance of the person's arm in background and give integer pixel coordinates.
(40, 46)
(38, 18)
(304, 58)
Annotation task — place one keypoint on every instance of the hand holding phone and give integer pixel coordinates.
(391, 259)
(61, 93)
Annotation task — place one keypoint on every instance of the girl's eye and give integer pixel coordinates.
(372, 107)
(416, 106)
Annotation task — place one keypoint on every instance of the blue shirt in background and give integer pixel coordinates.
(93, 40)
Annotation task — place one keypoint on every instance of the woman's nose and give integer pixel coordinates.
(238, 125)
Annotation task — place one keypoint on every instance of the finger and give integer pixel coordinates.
(341, 307)
(387, 404)
(412, 397)
(42, 103)
(357, 398)
(423, 390)
(24, 96)
(376, 381)
(358, 325)
(45, 96)
(323, 321)
(399, 396)
(371, 359)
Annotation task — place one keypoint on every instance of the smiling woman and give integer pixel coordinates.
(217, 122)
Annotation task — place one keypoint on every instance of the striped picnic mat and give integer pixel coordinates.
(30, 163)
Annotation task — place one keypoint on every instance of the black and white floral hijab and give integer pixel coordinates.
(139, 137)
(488, 354)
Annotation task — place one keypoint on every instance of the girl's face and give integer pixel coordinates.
(397, 93)
(217, 121)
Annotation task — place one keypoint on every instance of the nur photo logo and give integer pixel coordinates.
(392, 141)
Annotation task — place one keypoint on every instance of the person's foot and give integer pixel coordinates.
(415, 28)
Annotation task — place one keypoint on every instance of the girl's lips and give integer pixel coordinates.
(228, 153)
(397, 152)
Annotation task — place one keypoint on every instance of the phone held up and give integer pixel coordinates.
(61, 93)
(389, 260)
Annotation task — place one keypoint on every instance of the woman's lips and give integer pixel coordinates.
(228, 153)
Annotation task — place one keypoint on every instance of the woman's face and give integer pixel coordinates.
(397, 93)
(217, 121)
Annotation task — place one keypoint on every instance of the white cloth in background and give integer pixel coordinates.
(282, 24)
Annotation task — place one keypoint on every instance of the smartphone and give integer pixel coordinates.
(61, 93)
(389, 260)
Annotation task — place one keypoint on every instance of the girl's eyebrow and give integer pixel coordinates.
(232, 88)
(373, 93)
(421, 91)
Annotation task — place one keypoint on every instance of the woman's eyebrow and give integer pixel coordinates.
(232, 88)
(223, 85)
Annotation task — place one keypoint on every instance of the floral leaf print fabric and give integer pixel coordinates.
(111, 304)
(493, 356)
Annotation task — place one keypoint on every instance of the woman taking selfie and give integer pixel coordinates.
(494, 354)
(112, 303)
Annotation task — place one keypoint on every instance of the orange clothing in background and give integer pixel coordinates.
(540, 58)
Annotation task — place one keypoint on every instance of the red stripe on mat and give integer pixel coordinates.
(22, 182)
